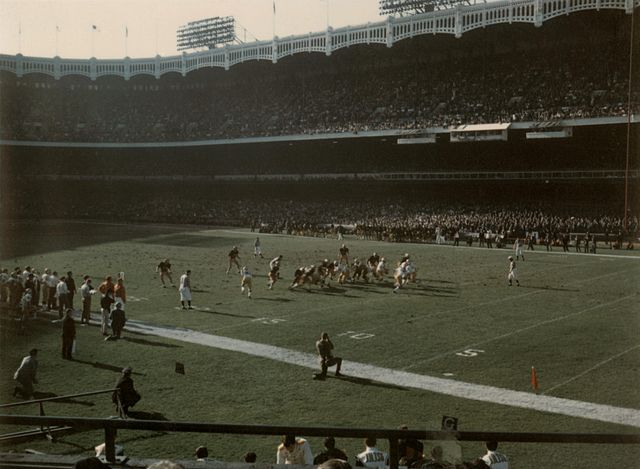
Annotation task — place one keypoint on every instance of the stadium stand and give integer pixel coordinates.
(222, 146)
(574, 67)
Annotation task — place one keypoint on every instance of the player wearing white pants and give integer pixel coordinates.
(517, 248)
(513, 272)
(245, 283)
(185, 289)
(257, 248)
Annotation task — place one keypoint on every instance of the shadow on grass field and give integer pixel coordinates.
(366, 382)
(153, 343)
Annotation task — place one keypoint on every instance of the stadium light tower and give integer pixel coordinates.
(209, 33)
(412, 7)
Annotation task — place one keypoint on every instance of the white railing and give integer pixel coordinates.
(456, 21)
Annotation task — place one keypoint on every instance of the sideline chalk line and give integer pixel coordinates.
(478, 392)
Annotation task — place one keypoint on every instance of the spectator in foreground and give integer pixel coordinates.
(250, 457)
(202, 453)
(413, 458)
(372, 457)
(436, 459)
(493, 458)
(294, 450)
(330, 452)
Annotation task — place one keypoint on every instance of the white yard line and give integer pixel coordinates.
(517, 331)
(594, 367)
(478, 392)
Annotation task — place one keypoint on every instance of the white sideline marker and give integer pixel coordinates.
(478, 392)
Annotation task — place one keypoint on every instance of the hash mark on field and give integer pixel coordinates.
(589, 370)
(477, 392)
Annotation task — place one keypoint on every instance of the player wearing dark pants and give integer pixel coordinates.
(325, 348)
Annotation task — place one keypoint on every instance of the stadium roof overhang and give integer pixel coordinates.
(455, 21)
(480, 127)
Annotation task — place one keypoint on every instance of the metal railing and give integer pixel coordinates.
(110, 427)
(48, 430)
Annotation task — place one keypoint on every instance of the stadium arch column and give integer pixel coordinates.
(389, 31)
(327, 41)
(629, 4)
(538, 13)
(274, 50)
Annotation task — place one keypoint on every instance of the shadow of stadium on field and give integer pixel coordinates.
(25, 238)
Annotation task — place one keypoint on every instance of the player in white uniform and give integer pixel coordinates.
(381, 269)
(245, 283)
(513, 272)
(494, 459)
(517, 247)
(257, 248)
(400, 276)
(185, 289)
(372, 457)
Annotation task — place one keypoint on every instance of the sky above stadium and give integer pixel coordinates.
(144, 28)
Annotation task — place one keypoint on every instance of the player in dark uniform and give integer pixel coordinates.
(274, 271)
(164, 267)
(373, 261)
(234, 257)
(344, 255)
(324, 346)
(297, 277)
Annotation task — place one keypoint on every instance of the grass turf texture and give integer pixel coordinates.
(575, 318)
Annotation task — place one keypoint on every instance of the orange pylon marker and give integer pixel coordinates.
(534, 380)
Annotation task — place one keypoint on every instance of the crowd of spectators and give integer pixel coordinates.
(396, 221)
(412, 455)
(284, 99)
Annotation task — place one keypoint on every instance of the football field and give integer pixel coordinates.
(459, 342)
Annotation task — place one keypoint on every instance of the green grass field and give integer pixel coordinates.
(575, 319)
